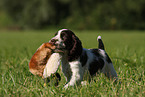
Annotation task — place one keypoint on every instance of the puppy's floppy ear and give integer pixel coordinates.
(76, 48)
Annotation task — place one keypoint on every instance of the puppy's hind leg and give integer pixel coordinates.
(109, 70)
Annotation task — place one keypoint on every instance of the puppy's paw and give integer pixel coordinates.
(66, 86)
(84, 83)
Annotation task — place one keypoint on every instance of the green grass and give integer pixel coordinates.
(126, 49)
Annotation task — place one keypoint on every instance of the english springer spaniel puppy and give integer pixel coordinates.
(78, 60)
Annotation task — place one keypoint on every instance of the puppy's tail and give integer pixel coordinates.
(101, 45)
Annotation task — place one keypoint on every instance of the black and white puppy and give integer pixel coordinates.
(78, 60)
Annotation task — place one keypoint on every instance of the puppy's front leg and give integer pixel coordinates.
(77, 74)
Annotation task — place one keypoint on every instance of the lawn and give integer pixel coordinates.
(125, 48)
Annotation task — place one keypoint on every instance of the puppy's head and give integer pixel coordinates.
(65, 39)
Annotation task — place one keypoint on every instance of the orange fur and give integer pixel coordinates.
(40, 58)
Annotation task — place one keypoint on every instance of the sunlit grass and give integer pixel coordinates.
(125, 49)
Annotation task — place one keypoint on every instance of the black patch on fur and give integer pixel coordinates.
(95, 66)
(108, 59)
(96, 52)
(101, 45)
(83, 58)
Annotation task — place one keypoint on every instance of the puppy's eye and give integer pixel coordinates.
(62, 36)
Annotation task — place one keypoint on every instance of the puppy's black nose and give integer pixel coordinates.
(52, 41)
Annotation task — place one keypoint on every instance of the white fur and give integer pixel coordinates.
(99, 37)
(76, 77)
(102, 52)
(61, 30)
(52, 65)
(72, 71)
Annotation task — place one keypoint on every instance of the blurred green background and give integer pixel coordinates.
(73, 14)
(26, 24)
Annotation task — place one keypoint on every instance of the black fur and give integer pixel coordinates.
(101, 45)
(95, 66)
(83, 58)
(73, 45)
